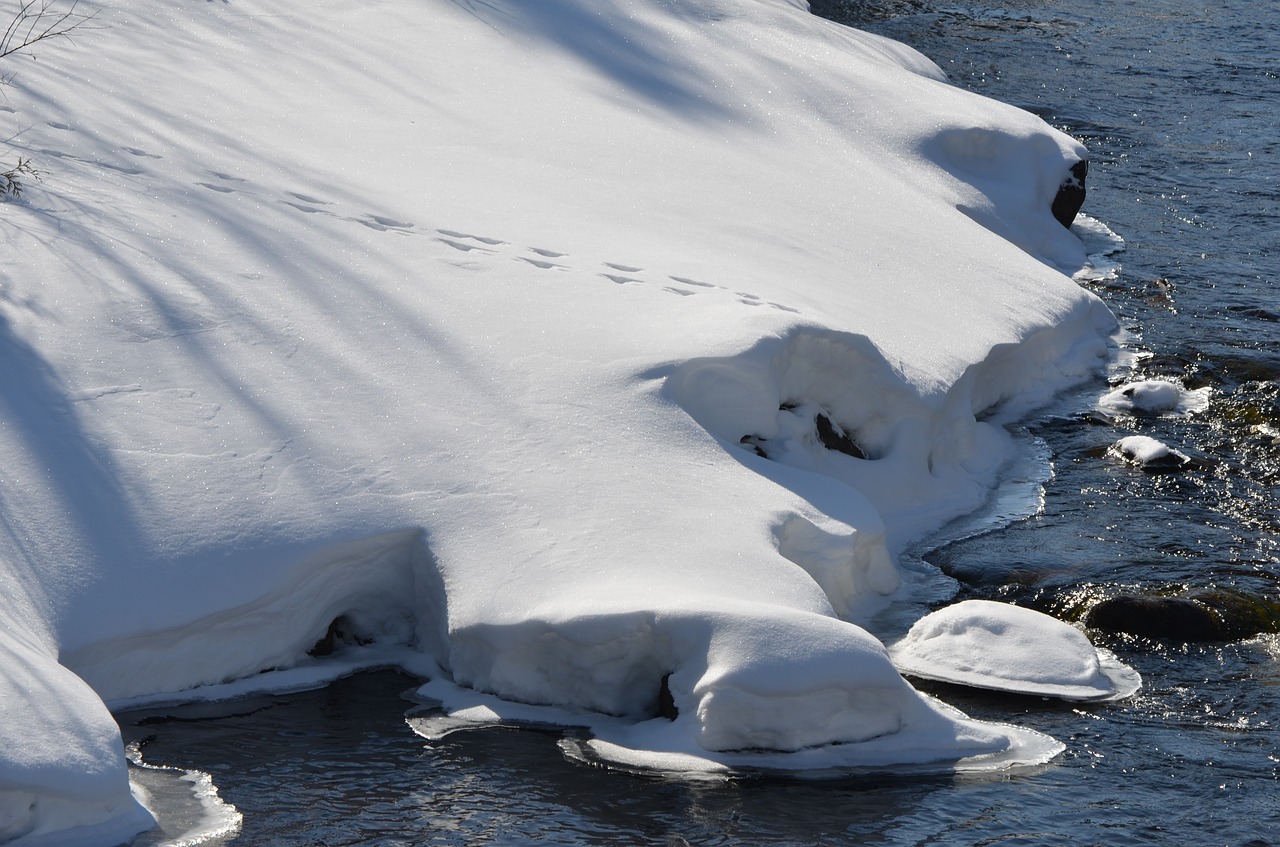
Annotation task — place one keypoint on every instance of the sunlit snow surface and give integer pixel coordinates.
(446, 322)
(986, 644)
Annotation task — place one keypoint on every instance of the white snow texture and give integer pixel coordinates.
(447, 321)
(1007, 648)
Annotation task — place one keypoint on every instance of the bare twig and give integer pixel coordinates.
(34, 22)
(41, 20)
(11, 181)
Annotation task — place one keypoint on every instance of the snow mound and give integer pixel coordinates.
(749, 687)
(1149, 453)
(61, 781)
(1154, 397)
(1002, 647)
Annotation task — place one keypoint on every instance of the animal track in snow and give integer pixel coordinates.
(124, 169)
(314, 205)
(618, 273)
(538, 263)
(479, 246)
(492, 242)
(686, 281)
(92, 163)
(310, 210)
(388, 223)
(383, 224)
(465, 248)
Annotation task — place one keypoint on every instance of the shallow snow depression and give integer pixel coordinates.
(591, 352)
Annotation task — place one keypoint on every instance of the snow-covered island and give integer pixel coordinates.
(598, 356)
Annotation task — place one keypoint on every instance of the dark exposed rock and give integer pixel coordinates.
(833, 437)
(1168, 618)
(1217, 615)
(1070, 195)
(340, 634)
(329, 642)
(666, 702)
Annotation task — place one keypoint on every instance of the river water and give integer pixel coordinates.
(1179, 105)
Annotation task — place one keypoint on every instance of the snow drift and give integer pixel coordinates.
(453, 329)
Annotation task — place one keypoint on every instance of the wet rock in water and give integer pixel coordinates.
(1168, 618)
(1217, 615)
(1070, 196)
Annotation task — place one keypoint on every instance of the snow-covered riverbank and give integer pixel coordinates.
(504, 333)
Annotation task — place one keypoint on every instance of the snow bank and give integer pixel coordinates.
(62, 780)
(1007, 648)
(454, 330)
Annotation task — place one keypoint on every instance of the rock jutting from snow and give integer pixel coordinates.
(1071, 194)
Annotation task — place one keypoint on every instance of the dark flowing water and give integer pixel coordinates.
(1180, 108)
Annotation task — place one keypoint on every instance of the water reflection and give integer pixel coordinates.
(341, 766)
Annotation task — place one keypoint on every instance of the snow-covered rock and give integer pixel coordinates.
(1154, 397)
(999, 646)
(1149, 453)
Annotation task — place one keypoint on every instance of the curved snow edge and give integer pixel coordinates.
(64, 780)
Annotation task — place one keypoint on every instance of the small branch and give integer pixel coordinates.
(40, 20)
(11, 184)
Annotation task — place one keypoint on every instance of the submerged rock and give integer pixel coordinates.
(1168, 618)
(1207, 616)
